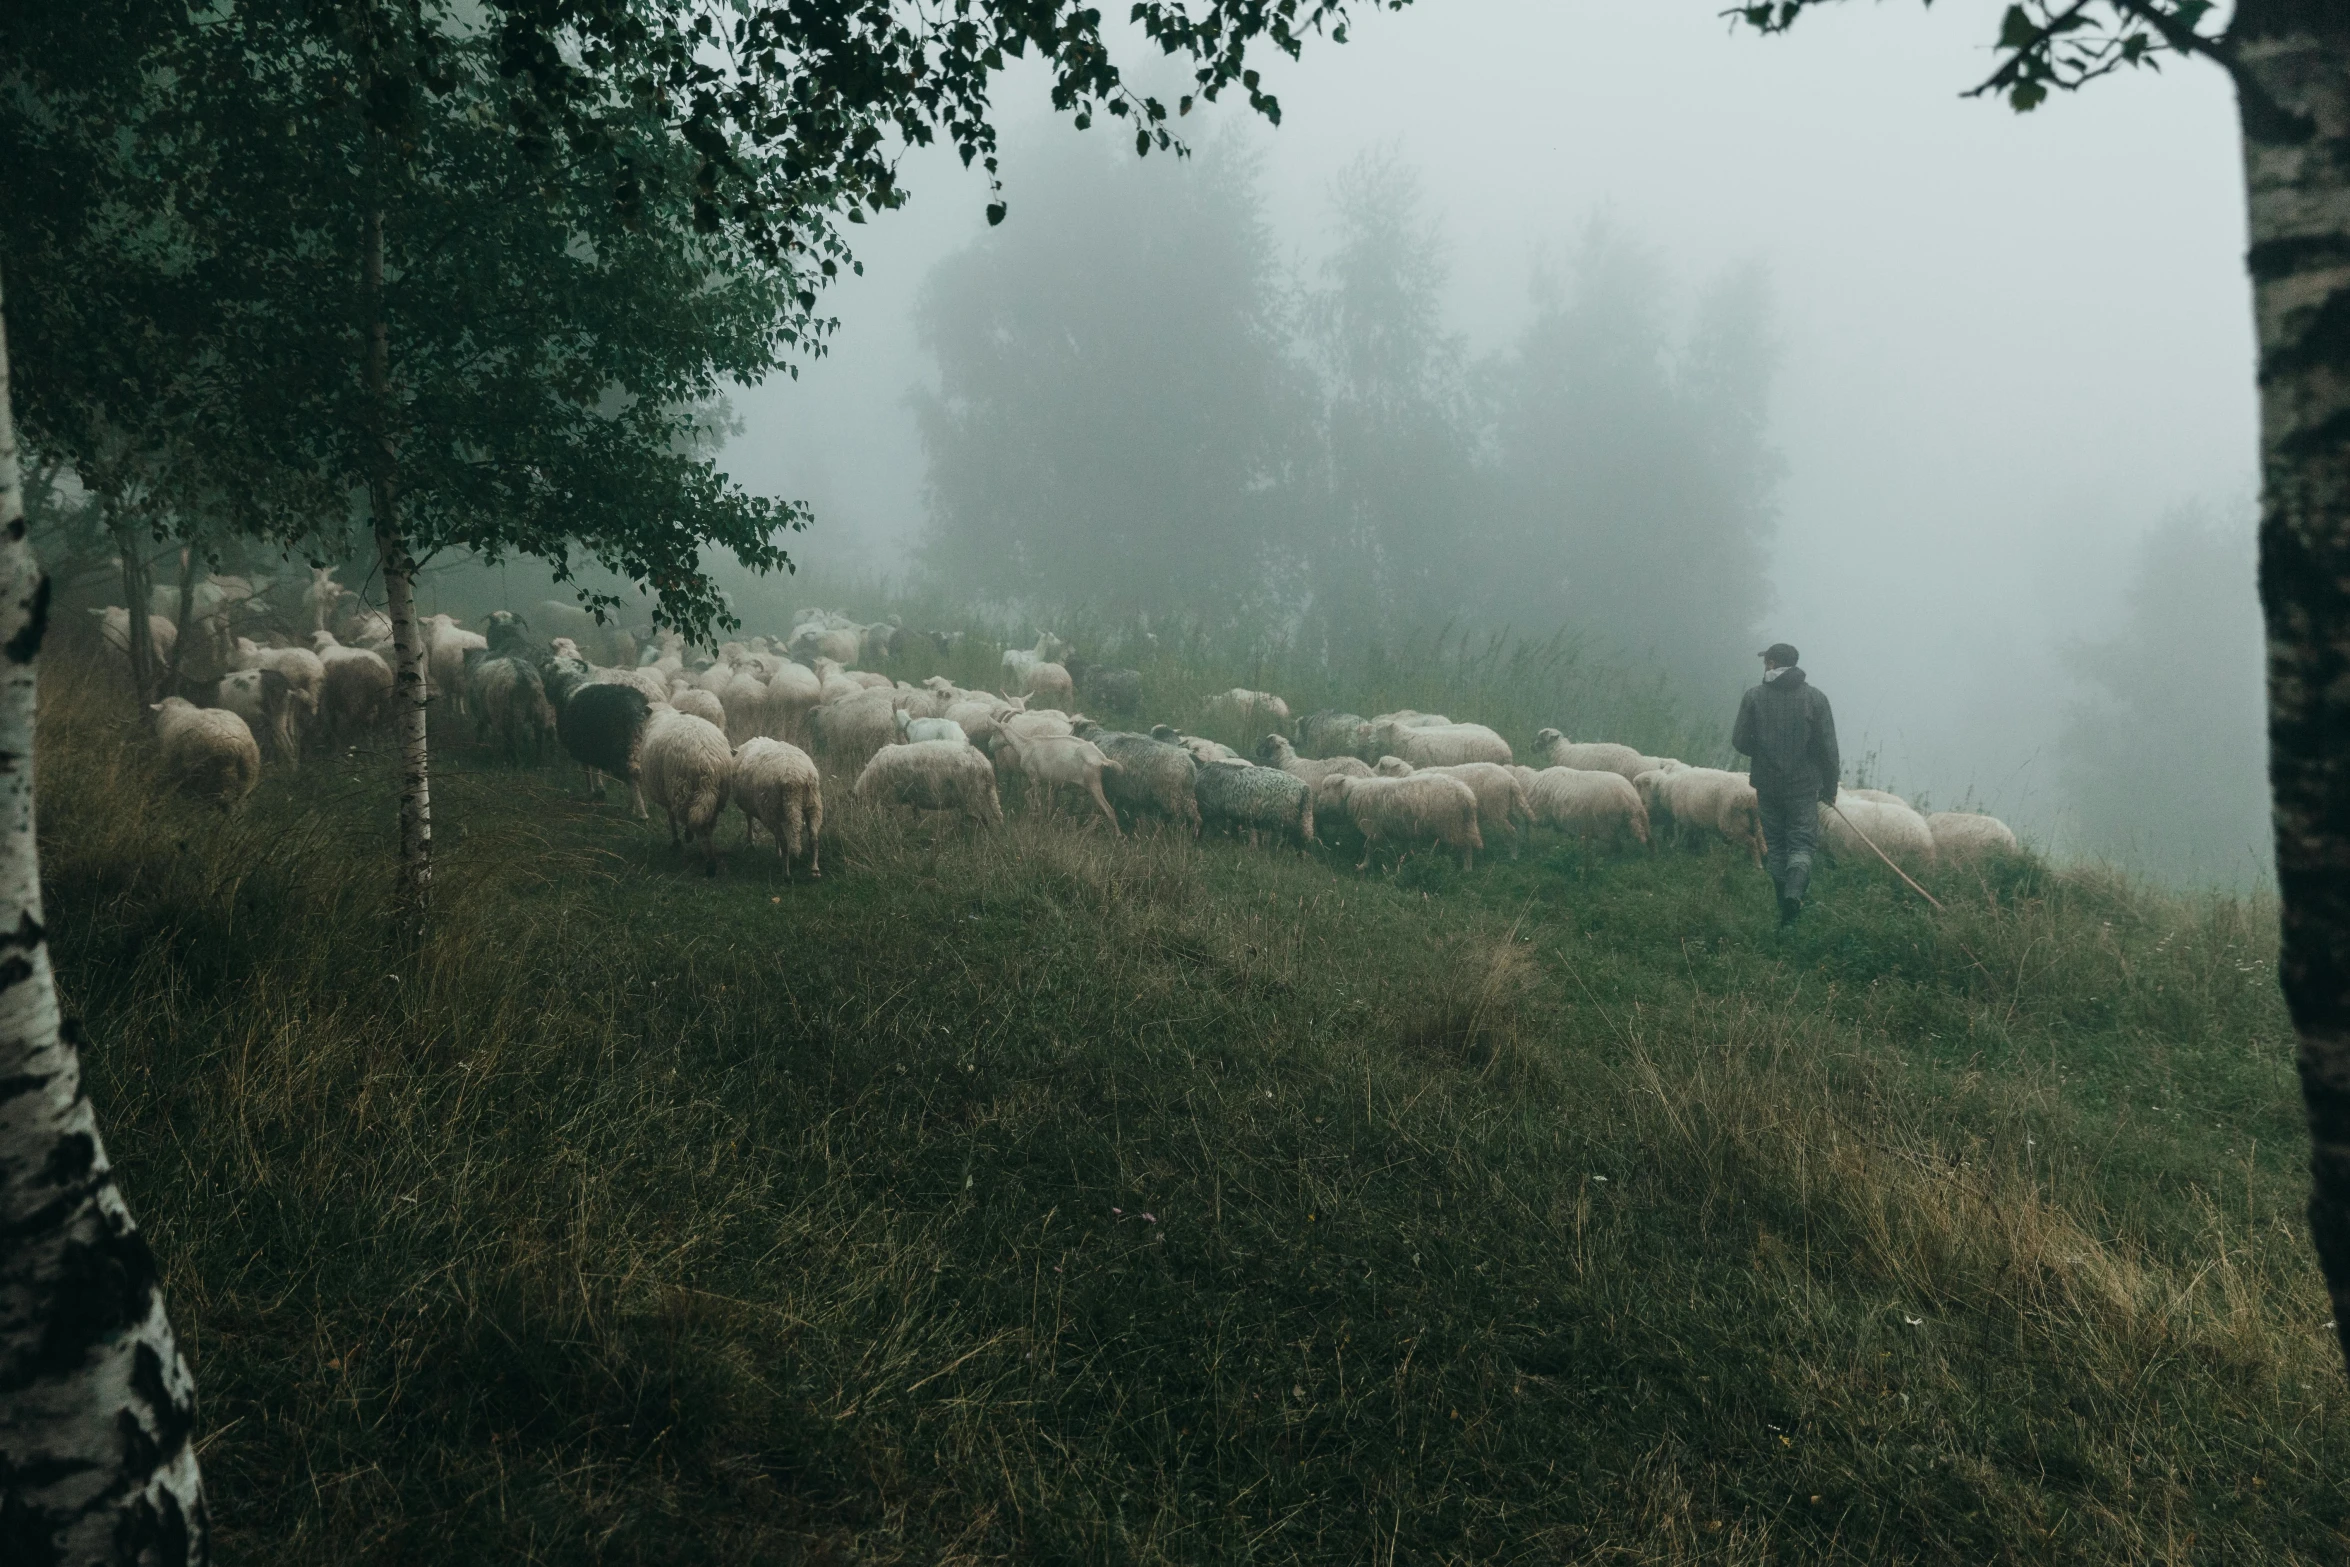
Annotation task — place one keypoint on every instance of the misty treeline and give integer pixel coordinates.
(1143, 406)
(2164, 755)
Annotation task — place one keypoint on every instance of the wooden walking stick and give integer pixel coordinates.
(1887, 858)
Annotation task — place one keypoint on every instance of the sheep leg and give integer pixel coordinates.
(1094, 785)
(636, 791)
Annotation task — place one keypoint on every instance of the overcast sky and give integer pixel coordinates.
(2012, 343)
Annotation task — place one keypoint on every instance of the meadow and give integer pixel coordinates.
(1034, 1196)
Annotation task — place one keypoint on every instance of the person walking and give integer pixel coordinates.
(1787, 727)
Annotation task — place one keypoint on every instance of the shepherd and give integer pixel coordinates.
(1786, 726)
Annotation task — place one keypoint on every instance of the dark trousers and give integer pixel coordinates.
(1791, 831)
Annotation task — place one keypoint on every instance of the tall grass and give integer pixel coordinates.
(1034, 1196)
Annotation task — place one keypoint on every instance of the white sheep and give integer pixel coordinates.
(1436, 745)
(1502, 803)
(1693, 800)
(1596, 756)
(744, 701)
(1966, 835)
(685, 767)
(700, 703)
(792, 694)
(1246, 709)
(844, 735)
(1414, 809)
(267, 704)
(912, 729)
(1049, 682)
(777, 787)
(933, 775)
(114, 628)
(357, 686)
(445, 646)
(1586, 802)
(1275, 750)
(208, 751)
(1894, 828)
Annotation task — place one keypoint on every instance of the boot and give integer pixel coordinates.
(1788, 909)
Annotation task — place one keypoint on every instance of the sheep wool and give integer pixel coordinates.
(1600, 756)
(933, 775)
(207, 751)
(1894, 828)
(1153, 778)
(1276, 751)
(687, 767)
(1416, 809)
(1968, 835)
(1241, 797)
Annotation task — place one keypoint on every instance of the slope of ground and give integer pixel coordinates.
(1031, 1196)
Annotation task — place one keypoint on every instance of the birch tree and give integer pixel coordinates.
(96, 1405)
(2289, 61)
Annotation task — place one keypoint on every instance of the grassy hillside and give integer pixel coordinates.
(1036, 1197)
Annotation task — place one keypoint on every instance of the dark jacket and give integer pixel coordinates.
(1787, 727)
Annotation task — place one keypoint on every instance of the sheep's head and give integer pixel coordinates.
(1547, 737)
(1393, 767)
(1273, 748)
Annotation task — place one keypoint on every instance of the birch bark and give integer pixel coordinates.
(2291, 60)
(96, 1404)
(399, 569)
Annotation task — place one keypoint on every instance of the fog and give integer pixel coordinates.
(2009, 355)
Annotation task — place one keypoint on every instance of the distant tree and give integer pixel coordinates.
(1398, 505)
(1116, 408)
(1634, 476)
(2289, 61)
(2166, 761)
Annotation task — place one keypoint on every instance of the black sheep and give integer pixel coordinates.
(603, 727)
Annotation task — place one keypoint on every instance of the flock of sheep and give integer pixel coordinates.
(765, 723)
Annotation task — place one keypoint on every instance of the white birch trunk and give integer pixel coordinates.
(96, 1405)
(409, 690)
(2291, 61)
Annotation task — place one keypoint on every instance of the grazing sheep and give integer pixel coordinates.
(1247, 709)
(114, 628)
(1277, 751)
(1055, 762)
(1037, 723)
(1591, 756)
(305, 676)
(1693, 800)
(1433, 745)
(700, 703)
(265, 700)
(1966, 835)
(1202, 751)
(1329, 733)
(1881, 796)
(979, 717)
(1587, 803)
(207, 751)
(1502, 806)
(844, 735)
(912, 729)
(792, 694)
(1432, 808)
(645, 681)
(933, 775)
(371, 630)
(1412, 718)
(1739, 819)
(1243, 797)
(1152, 778)
(743, 703)
(510, 704)
(357, 686)
(602, 726)
(1050, 683)
(1896, 829)
(687, 766)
